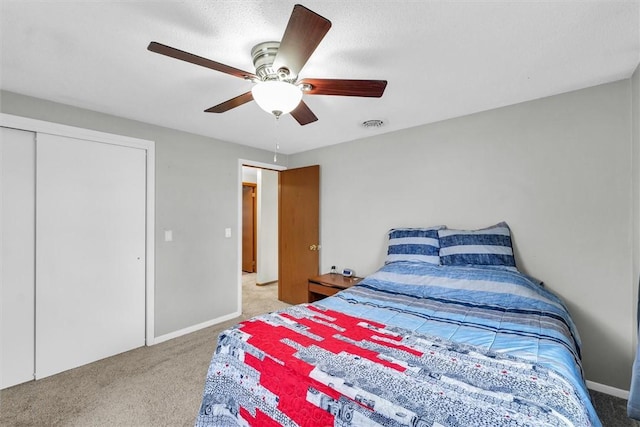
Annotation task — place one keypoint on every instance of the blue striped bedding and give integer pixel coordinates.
(413, 345)
(496, 310)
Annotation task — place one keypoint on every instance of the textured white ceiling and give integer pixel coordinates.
(442, 59)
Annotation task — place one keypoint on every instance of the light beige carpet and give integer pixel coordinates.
(151, 386)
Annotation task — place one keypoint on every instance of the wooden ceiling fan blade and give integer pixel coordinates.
(342, 87)
(303, 114)
(303, 34)
(198, 60)
(232, 103)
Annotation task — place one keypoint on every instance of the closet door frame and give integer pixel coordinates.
(40, 126)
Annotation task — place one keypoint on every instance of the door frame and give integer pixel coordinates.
(252, 164)
(41, 126)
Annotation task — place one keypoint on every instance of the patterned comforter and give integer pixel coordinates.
(414, 345)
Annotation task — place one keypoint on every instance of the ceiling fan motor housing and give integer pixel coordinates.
(263, 55)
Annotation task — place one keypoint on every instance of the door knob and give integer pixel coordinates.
(314, 247)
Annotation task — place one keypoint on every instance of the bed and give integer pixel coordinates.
(424, 341)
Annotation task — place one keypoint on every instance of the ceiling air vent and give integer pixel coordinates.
(371, 124)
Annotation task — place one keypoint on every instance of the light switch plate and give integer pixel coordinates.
(168, 235)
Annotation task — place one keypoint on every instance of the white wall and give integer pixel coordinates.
(196, 274)
(267, 226)
(558, 170)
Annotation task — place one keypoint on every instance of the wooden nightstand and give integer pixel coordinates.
(329, 284)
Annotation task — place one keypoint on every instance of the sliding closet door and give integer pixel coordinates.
(17, 280)
(90, 251)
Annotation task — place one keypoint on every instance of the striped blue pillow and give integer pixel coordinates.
(413, 244)
(486, 247)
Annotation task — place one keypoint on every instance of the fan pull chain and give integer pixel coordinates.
(277, 146)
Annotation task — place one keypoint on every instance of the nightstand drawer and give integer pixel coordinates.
(322, 290)
(326, 285)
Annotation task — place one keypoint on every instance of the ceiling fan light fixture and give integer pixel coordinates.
(276, 97)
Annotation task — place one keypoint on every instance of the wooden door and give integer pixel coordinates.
(299, 229)
(248, 227)
(90, 251)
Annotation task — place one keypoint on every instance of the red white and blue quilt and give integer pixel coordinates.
(414, 345)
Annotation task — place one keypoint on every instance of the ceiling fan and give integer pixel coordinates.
(278, 64)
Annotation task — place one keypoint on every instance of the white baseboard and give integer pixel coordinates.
(185, 331)
(623, 394)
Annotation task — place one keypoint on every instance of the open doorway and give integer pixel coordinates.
(289, 256)
(260, 223)
(258, 237)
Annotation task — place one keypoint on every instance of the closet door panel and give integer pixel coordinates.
(90, 251)
(17, 281)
